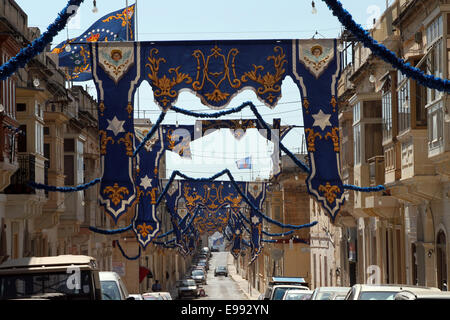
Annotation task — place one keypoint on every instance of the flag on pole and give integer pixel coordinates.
(245, 163)
(72, 54)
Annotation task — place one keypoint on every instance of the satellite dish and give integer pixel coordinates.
(276, 254)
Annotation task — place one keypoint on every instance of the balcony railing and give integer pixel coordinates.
(25, 174)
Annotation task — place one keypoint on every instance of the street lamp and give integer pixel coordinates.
(95, 9)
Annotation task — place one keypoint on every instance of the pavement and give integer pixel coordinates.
(250, 293)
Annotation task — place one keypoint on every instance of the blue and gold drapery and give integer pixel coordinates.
(216, 71)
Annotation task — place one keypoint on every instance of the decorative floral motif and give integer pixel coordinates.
(270, 82)
(334, 135)
(128, 141)
(330, 192)
(334, 103)
(116, 193)
(152, 194)
(144, 230)
(126, 17)
(165, 86)
(104, 139)
(312, 136)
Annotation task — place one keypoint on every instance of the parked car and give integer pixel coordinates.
(221, 270)
(325, 293)
(205, 250)
(57, 277)
(166, 295)
(136, 296)
(338, 296)
(204, 264)
(187, 288)
(382, 292)
(113, 287)
(295, 294)
(412, 294)
(152, 296)
(199, 276)
(214, 249)
(279, 285)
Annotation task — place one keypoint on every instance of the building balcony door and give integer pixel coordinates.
(441, 256)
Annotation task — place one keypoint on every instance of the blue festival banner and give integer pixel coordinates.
(172, 138)
(236, 236)
(256, 192)
(216, 71)
(76, 56)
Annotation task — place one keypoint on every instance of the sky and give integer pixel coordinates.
(217, 20)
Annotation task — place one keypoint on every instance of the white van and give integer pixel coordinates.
(113, 287)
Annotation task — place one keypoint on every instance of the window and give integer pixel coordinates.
(387, 115)
(373, 140)
(46, 131)
(435, 66)
(435, 125)
(404, 104)
(357, 143)
(39, 139)
(47, 150)
(21, 107)
(69, 145)
(357, 112)
(22, 141)
(435, 30)
(69, 170)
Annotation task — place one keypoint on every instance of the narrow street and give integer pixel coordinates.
(221, 287)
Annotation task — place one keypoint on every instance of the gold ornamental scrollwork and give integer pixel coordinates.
(270, 82)
(334, 135)
(330, 192)
(311, 138)
(144, 230)
(104, 140)
(218, 77)
(165, 86)
(128, 141)
(115, 193)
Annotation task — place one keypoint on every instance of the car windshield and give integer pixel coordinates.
(198, 273)
(187, 283)
(375, 295)
(110, 290)
(323, 295)
(41, 284)
(297, 296)
(279, 293)
(221, 268)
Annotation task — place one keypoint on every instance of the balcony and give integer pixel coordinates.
(25, 174)
(376, 171)
(8, 153)
(22, 201)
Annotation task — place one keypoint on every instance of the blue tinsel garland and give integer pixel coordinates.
(125, 255)
(384, 53)
(38, 45)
